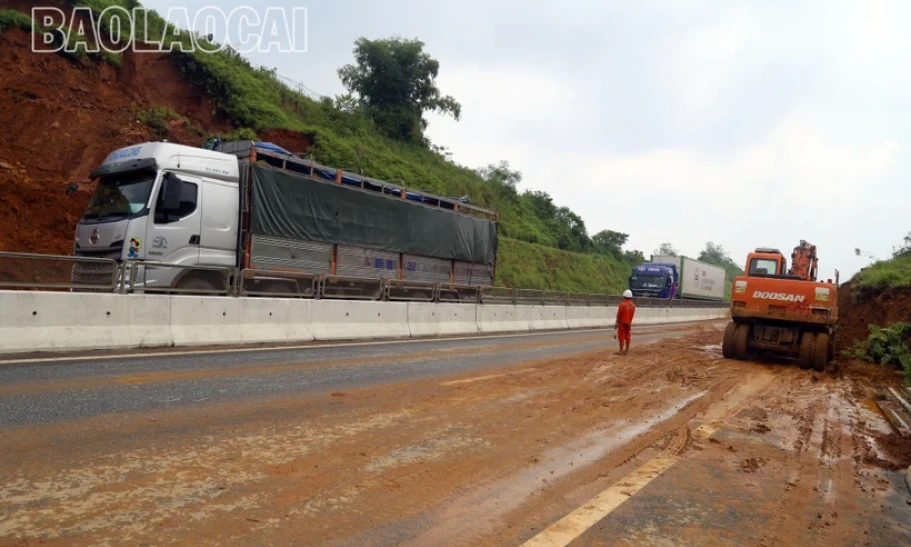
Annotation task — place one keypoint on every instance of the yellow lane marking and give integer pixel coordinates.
(566, 530)
(570, 527)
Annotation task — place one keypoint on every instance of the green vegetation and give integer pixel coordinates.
(529, 266)
(392, 83)
(159, 117)
(883, 275)
(378, 128)
(74, 50)
(887, 346)
(10, 18)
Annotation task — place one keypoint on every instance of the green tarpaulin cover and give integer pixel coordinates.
(297, 207)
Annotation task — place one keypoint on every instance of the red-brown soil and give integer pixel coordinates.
(881, 309)
(61, 118)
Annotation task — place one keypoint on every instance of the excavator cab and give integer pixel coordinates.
(766, 262)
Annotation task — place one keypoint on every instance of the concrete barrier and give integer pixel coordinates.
(148, 320)
(578, 317)
(503, 319)
(62, 321)
(547, 318)
(426, 319)
(276, 320)
(198, 320)
(351, 320)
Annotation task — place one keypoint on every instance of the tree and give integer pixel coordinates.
(610, 242)
(666, 249)
(500, 174)
(714, 254)
(717, 256)
(394, 80)
(572, 235)
(634, 258)
(345, 103)
(542, 204)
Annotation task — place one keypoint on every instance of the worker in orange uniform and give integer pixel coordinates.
(624, 322)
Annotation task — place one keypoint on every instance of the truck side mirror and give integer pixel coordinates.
(171, 190)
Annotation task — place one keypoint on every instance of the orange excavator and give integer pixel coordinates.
(782, 311)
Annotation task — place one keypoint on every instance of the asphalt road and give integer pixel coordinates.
(63, 388)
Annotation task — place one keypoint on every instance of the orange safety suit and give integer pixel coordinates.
(625, 314)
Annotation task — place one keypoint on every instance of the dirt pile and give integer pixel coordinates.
(882, 309)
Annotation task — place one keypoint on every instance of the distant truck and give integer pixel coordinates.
(677, 277)
(255, 206)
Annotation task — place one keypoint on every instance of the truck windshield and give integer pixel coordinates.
(648, 282)
(120, 196)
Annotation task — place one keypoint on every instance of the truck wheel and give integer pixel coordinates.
(727, 341)
(741, 337)
(807, 344)
(196, 284)
(821, 352)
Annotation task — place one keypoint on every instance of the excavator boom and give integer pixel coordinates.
(804, 261)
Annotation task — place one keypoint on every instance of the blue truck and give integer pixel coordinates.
(677, 277)
(654, 280)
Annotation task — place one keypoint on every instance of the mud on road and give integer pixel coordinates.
(489, 458)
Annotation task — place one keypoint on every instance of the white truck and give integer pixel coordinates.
(254, 206)
(696, 280)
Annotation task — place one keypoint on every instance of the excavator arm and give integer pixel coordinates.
(804, 261)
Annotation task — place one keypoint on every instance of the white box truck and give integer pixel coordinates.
(256, 207)
(696, 280)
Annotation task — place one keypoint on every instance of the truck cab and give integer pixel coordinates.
(163, 202)
(654, 280)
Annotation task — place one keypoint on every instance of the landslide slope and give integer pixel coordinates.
(63, 115)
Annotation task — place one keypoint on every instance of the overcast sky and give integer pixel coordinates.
(744, 123)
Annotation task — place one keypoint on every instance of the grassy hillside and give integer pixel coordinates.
(883, 275)
(529, 266)
(533, 229)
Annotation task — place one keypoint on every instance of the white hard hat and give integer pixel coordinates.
(627, 293)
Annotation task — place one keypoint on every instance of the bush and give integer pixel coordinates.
(10, 18)
(881, 276)
(887, 346)
(158, 119)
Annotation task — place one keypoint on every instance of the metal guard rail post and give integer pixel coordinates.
(123, 278)
(357, 283)
(277, 278)
(102, 265)
(424, 292)
(129, 268)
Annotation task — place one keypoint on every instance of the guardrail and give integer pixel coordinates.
(58, 272)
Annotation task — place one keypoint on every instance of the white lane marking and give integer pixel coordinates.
(569, 528)
(61, 359)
